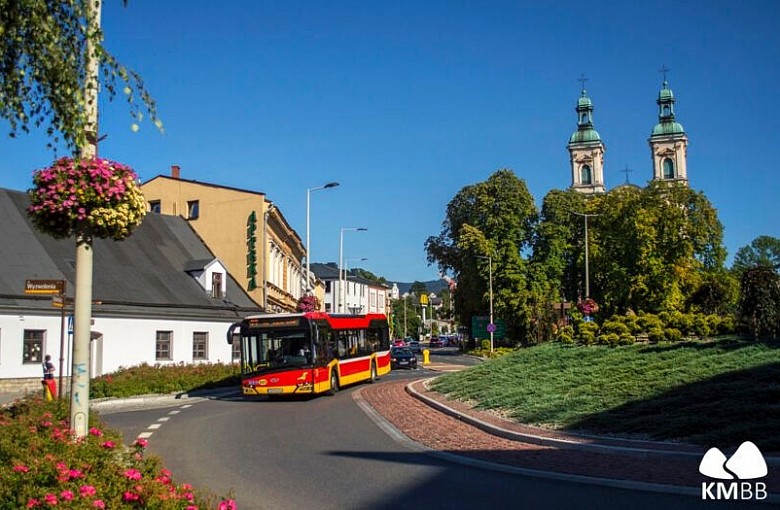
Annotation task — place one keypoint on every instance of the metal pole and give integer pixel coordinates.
(308, 224)
(82, 308)
(587, 275)
(308, 249)
(62, 339)
(341, 270)
(490, 269)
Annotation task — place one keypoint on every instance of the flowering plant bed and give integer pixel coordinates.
(96, 196)
(308, 303)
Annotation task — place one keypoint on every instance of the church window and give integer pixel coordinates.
(586, 175)
(584, 118)
(668, 169)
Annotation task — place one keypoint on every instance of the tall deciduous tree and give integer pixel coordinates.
(493, 219)
(43, 70)
(762, 251)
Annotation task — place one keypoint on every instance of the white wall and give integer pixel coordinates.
(126, 342)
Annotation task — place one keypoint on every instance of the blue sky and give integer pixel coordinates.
(404, 103)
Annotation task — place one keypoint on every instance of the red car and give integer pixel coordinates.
(399, 342)
(435, 342)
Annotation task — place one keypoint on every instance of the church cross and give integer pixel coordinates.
(626, 171)
(663, 71)
(582, 80)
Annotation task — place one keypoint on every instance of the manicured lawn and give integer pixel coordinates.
(713, 393)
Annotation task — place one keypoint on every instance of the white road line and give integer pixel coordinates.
(164, 418)
(145, 435)
(154, 426)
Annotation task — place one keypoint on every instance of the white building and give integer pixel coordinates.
(357, 296)
(160, 297)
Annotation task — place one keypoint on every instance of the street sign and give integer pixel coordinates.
(44, 287)
(491, 328)
(480, 325)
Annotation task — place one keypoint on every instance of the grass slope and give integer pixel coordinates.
(713, 393)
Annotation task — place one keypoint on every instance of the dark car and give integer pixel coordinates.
(414, 346)
(402, 357)
(435, 342)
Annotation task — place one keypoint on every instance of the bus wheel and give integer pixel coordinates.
(334, 382)
(373, 372)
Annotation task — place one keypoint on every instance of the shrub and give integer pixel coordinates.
(700, 326)
(656, 335)
(672, 334)
(649, 322)
(611, 339)
(627, 339)
(759, 304)
(615, 326)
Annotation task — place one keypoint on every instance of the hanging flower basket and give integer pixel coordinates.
(588, 306)
(309, 303)
(97, 197)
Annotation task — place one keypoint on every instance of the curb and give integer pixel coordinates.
(152, 399)
(406, 441)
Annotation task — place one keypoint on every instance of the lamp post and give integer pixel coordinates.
(341, 262)
(491, 326)
(346, 271)
(587, 275)
(308, 216)
(270, 206)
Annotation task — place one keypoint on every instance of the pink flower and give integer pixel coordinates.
(191, 507)
(133, 474)
(75, 473)
(66, 495)
(129, 496)
(50, 499)
(108, 444)
(228, 504)
(32, 503)
(96, 431)
(21, 469)
(98, 503)
(87, 490)
(141, 442)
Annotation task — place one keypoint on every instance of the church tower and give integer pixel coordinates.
(586, 150)
(668, 143)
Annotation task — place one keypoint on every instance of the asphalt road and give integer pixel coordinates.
(328, 453)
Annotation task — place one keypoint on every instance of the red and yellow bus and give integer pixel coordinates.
(310, 353)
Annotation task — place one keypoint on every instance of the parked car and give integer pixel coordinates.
(399, 342)
(414, 346)
(435, 342)
(402, 357)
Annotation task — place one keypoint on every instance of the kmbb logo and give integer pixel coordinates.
(747, 463)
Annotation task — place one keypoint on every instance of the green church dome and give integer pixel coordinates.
(585, 135)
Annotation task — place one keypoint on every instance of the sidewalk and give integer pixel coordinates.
(458, 431)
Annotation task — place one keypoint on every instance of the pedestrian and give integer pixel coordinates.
(49, 384)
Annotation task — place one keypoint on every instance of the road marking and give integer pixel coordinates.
(164, 418)
(145, 435)
(154, 426)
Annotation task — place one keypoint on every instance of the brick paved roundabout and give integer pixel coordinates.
(436, 423)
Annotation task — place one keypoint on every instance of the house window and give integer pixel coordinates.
(193, 209)
(163, 346)
(586, 175)
(32, 350)
(216, 285)
(235, 353)
(668, 169)
(155, 206)
(327, 286)
(200, 345)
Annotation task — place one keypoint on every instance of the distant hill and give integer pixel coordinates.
(434, 286)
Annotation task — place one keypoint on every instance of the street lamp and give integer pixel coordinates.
(308, 212)
(341, 261)
(587, 275)
(346, 271)
(491, 326)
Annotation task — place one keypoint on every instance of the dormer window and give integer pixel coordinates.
(216, 285)
(193, 209)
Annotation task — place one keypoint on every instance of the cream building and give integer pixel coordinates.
(245, 230)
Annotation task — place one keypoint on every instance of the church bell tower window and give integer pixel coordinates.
(668, 169)
(586, 175)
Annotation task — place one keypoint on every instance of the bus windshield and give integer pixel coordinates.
(269, 349)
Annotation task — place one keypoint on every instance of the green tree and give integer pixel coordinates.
(495, 219)
(762, 251)
(759, 303)
(44, 78)
(406, 317)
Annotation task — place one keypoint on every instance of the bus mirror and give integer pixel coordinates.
(231, 332)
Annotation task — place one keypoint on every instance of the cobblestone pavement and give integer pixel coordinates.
(417, 413)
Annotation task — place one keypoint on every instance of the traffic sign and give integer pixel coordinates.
(47, 287)
(491, 328)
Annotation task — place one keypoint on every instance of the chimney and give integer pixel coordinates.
(175, 171)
